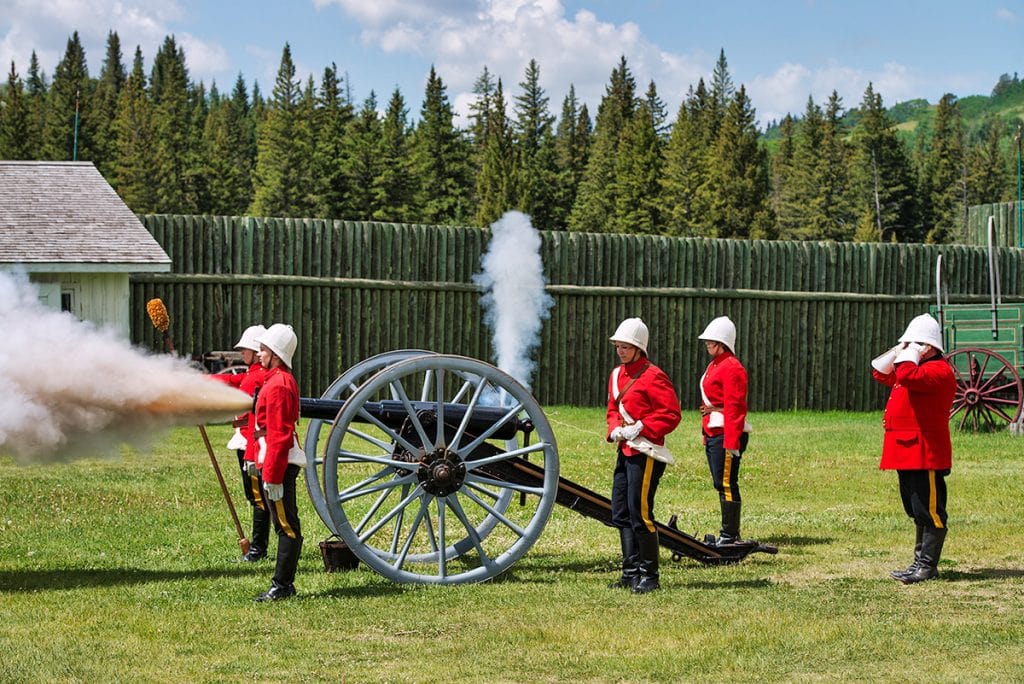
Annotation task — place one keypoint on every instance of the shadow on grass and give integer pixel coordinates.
(781, 540)
(980, 574)
(78, 578)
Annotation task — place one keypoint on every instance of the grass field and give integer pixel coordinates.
(126, 570)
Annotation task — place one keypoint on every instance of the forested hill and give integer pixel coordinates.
(1005, 104)
(171, 145)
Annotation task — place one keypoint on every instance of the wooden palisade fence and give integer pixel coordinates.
(810, 316)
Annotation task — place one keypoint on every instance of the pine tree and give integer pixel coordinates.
(685, 197)
(175, 159)
(227, 144)
(67, 105)
(134, 143)
(495, 183)
(536, 171)
(571, 149)
(14, 119)
(362, 158)
(638, 171)
(334, 118)
(104, 102)
(479, 111)
(881, 173)
(988, 178)
(597, 196)
(739, 175)
(441, 159)
(278, 168)
(36, 92)
(836, 187)
(721, 96)
(394, 187)
(943, 178)
(783, 170)
(801, 211)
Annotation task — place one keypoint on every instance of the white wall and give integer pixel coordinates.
(98, 297)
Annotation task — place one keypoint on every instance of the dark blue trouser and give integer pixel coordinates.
(634, 483)
(923, 493)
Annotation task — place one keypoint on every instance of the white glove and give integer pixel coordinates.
(616, 435)
(250, 469)
(275, 492)
(883, 363)
(911, 353)
(735, 453)
(631, 432)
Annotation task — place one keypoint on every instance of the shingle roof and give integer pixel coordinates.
(67, 213)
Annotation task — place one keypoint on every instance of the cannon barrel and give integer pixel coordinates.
(394, 414)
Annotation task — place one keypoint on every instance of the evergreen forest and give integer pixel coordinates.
(170, 145)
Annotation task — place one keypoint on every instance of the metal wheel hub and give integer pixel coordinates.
(971, 397)
(441, 472)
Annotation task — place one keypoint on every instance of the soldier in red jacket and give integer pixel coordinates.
(642, 409)
(917, 444)
(244, 444)
(724, 425)
(279, 457)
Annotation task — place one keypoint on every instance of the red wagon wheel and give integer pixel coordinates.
(988, 390)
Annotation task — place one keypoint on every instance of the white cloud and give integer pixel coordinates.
(460, 37)
(31, 24)
(1008, 15)
(786, 89)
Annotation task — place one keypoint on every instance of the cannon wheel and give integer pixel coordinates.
(388, 506)
(347, 383)
(988, 390)
(340, 389)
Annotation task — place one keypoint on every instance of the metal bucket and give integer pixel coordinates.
(337, 556)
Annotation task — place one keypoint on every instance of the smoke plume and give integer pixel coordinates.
(515, 303)
(71, 389)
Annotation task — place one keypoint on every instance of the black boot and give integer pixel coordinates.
(900, 574)
(730, 533)
(630, 560)
(931, 550)
(260, 535)
(283, 586)
(647, 576)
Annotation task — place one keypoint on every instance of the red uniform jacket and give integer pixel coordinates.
(248, 382)
(725, 385)
(277, 411)
(917, 416)
(651, 399)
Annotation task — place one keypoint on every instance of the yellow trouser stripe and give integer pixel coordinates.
(726, 476)
(282, 519)
(933, 496)
(645, 509)
(254, 487)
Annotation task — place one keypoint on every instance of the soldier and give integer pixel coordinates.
(244, 444)
(642, 409)
(280, 457)
(916, 443)
(724, 426)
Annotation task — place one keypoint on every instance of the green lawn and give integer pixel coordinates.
(125, 570)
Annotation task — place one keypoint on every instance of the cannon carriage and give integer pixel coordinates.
(438, 469)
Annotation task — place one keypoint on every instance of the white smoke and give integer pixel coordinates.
(70, 389)
(515, 303)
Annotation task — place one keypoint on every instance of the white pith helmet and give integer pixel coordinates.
(250, 338)
(924, 329)
(721, 330)
(280, 339)
(632, 331)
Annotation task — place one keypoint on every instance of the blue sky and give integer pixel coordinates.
(782, 51)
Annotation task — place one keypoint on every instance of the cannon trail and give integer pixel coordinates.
(70, 389)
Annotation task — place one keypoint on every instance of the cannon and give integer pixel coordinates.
(440, 469)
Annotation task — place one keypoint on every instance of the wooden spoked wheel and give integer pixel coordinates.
(988, 391)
